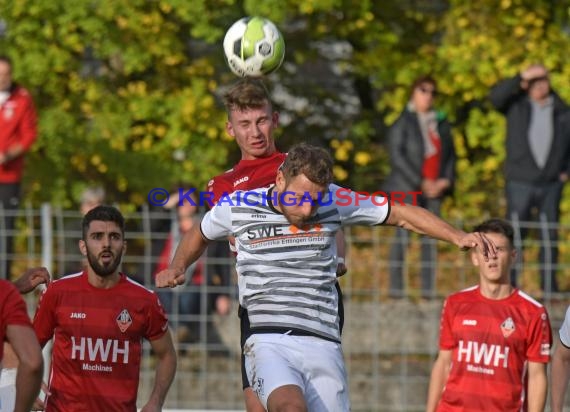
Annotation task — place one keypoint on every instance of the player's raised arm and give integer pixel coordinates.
(191, 247)
(422, 221)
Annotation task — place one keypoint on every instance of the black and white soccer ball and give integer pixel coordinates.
(254, 47)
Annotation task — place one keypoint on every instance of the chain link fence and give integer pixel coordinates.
(390, 342)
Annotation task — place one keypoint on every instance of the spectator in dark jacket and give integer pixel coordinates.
(422, 158)
(537, 157)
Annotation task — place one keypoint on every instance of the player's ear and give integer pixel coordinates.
(514, 254)
(280, 181)
(230, 129)
(275, 119)
(124, 247)
(474, 259)
(82, 247)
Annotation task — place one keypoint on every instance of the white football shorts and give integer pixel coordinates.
(7, 390)
(315, 365)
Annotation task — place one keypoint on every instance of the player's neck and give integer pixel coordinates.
(102, 282)
(270, 152)
(495, 290)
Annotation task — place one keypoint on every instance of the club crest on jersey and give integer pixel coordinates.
(508, 327)
(9, 108)
(124, 320)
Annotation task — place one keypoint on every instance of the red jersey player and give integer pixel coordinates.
(494, 340)
(98, 319)
(22, 364)
(251, 122)
(16, 328)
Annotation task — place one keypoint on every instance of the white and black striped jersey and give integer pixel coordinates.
(287, 274)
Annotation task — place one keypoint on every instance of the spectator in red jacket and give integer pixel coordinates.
(18, 131)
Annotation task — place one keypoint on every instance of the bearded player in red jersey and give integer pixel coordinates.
(494, 340)
(252, 121)
(98, 319)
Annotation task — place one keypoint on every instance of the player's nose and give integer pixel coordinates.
(106, 241)
(307, 209)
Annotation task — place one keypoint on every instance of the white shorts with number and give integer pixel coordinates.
(7, 390)
(313, 364)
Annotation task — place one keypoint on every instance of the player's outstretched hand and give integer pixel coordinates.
(31, 279)
(477, 239)
(169, 278)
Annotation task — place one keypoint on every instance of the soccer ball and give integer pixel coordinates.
(253, 47)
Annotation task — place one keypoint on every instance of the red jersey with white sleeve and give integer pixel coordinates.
(246, 175)
(97, 341)
(12, 311)
(491, 342)
(18, 125)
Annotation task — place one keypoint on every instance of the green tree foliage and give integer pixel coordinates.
(124, 97)
(128, 90)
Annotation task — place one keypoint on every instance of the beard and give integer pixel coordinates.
(296, 220)
(104, 269)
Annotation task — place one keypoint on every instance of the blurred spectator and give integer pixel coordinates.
(184, 305)
(91, 198)
(537, 157)
(422, 158)
(74, 262)
(18, 131)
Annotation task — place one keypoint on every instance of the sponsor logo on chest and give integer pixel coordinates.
(99, 350)
(482, 353)
(99, 354)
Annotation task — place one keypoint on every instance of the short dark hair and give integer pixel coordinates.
(312, 161)
(423, 80)
(103, 213)
(499, 226)
(246, 94)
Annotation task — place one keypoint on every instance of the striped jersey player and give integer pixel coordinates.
(285, 241)
(286, 273)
